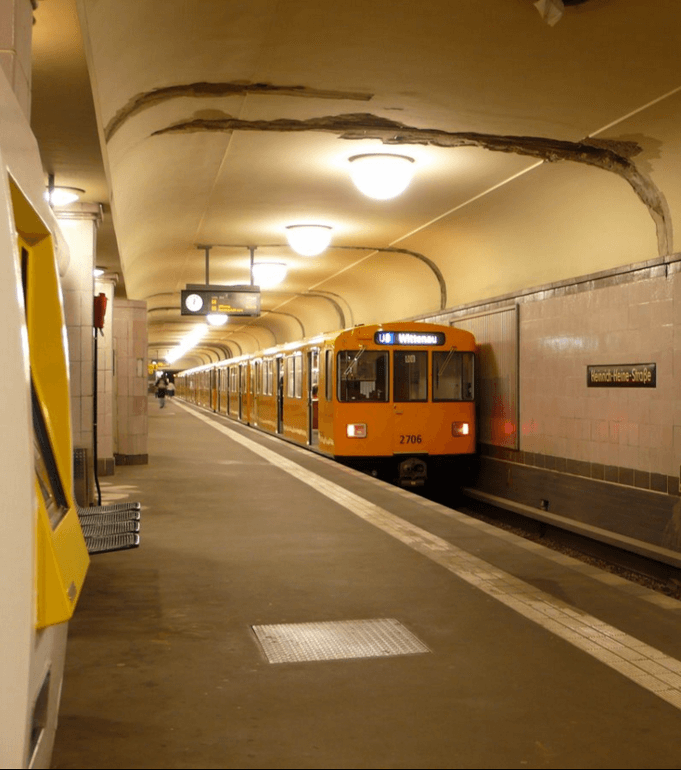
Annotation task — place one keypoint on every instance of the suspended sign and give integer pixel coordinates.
(199, 299)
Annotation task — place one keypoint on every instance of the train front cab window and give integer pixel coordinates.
(363, 375)
(453, 374)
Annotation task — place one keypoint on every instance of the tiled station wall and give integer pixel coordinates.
(608, 457)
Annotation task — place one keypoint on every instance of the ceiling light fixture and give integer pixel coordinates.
(269, 274)
(62, 196)
(98, 271)
(380, 175)
(216, 319)
(309, 240)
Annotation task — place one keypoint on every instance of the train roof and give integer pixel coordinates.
(359, 334)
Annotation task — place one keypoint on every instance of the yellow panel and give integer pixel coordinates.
(62, 557)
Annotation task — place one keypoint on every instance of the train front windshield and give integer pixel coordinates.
(453, 376)
(362, 375)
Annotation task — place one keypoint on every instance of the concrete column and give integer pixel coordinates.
(79, 227)
(16, 32)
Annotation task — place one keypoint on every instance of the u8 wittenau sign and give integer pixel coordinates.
(621, 376)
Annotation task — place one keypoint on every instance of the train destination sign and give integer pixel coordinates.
(228, 300)
(622, 376)
(409, 338)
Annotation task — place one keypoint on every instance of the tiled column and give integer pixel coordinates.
(130, 345)
(16, 28)
(106, 406)
(79, 226)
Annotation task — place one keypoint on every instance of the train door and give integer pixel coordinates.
(224, 390)
(214, 390)
(325, 404)
(313, 397)
(243, 392)
(240, 387)
(280, 394)
(410, 394)
(230, 390)
(256, 390)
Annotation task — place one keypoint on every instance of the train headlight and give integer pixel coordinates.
(460, 429)
(356, 430)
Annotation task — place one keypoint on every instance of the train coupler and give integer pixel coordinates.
(412, 472)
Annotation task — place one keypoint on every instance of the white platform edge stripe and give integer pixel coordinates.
(629, 656)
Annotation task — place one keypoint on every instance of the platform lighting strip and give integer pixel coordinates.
(188, 342)
(644, 665)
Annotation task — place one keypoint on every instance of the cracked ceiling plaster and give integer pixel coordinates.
(223, 123)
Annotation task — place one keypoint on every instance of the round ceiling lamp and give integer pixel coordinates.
(309, 240)
(216, 319)
(380, 175)
(269, 274)
(62, 196)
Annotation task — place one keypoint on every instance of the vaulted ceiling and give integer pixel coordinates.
(544, 147)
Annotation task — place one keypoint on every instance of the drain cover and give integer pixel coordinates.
(336, 640)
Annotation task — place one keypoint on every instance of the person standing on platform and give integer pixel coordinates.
(171, 389)
(161, 390)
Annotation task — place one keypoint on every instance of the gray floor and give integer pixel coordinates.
(530, 661)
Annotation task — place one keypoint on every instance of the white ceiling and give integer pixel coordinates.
(267, 143)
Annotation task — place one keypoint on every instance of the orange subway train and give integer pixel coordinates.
(396, 400)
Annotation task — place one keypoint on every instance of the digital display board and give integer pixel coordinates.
(227, 300)
(409, 338)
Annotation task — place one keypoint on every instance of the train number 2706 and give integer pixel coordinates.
(410, 438)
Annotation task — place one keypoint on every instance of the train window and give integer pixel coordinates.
(314, 371)
(453, 376)
(362, 375)
(270, 378)
(298, 378)
(328, 374)
(410, 378)
(288, 374)
(294, 376)
(265, 378)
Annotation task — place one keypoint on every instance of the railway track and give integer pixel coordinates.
(652, 574)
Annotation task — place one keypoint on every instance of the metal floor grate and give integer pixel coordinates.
(337, 640)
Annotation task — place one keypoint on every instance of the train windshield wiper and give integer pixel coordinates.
(441, 370)
(354, 360)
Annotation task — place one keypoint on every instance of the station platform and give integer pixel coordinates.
(283, 611)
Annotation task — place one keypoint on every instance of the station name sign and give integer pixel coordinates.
(622, 376)
(199, 299)
(409, 338)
